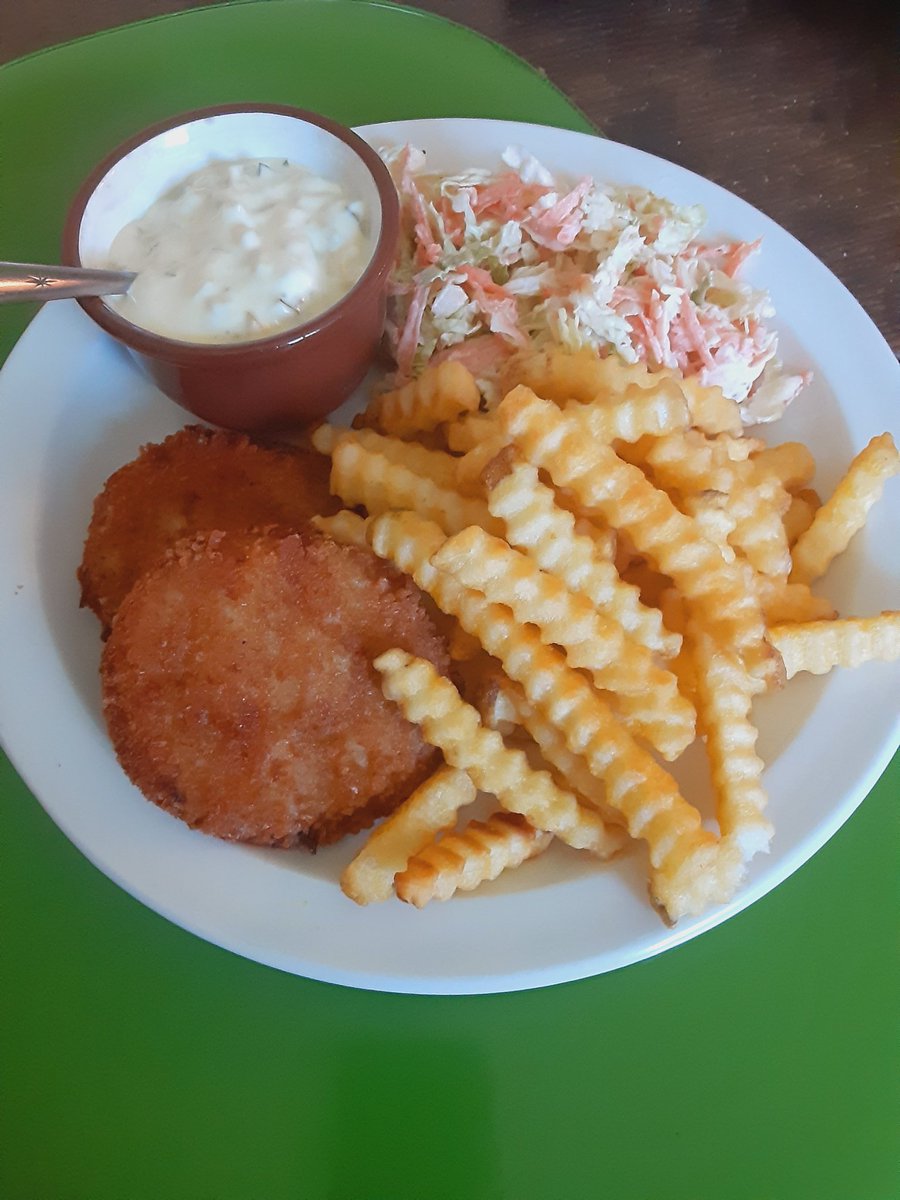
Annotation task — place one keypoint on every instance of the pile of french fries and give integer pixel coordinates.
(624, 570)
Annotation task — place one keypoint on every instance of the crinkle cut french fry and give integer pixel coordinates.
(690, 462)
(587, 524)
(628, 414)
(745, 512)
(361, 476)
(718, 684)
(756, 504)
(844, 513)
(535, 523)
(561, 375)
(711, 410)
(714, 519)
(724, 700)
(325, 437)
(430, 701)
(636, 413)
(689, 869)
(818, 646)
(471, 466)
(436, 465)
(799, 516)
(346, 527)
(645, 696)
(742, 449)
(461, 645)
(470, 431)
(782, 601)
(719, 592)
(462, 861)
(791, 463)
(509, 705)
(682, 665)
(439, 394)
(495, 703)
(752, 499)
(431, 808)
(602, 538)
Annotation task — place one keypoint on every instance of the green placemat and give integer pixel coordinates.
(756, 1062)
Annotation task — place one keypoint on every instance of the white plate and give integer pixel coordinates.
(75, 409)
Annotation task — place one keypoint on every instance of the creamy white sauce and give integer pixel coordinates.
(239, 251)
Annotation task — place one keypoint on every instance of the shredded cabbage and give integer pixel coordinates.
(491, 262)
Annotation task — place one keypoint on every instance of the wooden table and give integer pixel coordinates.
(789, 104)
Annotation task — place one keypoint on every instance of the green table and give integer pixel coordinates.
(756, 1062)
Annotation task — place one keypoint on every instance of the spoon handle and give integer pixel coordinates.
(37, 281)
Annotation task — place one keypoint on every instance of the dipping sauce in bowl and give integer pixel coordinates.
(241, 250)
(251, 317)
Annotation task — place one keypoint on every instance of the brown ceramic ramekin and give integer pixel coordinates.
(278, 382)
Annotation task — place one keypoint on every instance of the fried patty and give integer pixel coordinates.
(239, 692)
(197, 479)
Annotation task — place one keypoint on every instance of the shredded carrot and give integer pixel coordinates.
(409, 337)
(495, 303)
(557, 227)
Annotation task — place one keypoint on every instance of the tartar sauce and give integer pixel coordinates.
(241, 250)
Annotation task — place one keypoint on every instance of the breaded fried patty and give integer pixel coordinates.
(197, 479)
(239, 691)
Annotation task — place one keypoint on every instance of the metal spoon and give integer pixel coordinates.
(36, 281)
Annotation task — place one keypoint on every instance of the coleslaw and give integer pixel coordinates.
(492, 262)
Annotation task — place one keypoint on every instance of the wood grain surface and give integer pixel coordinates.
(791, 104)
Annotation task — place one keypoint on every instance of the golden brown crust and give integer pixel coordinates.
(197, 479)
(239, 691)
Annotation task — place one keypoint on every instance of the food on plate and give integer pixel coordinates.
(345, 527)
(239, 691)
(558, 374)
(432, 808)
(432, 702)
(569, 555)
(493, 262)
(195, 480)
(644, 695)
(638, 411)
(785, 601)
(240, 250)
(470, 433)
(558, 441)
(537, 523)
(723, 693)
(791, 463)
(369, 477)
(424, 403)
(646, 796)
(561, 558)
(819, 646)
(503, 707)
(844, 513)
(737, 501)
(462, 861)
(438, 466)
(803, 507)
